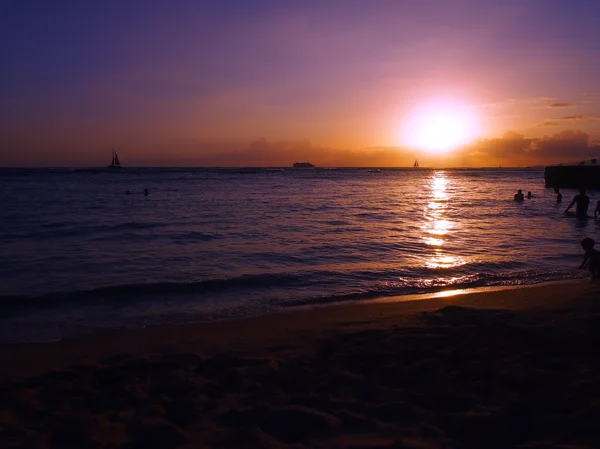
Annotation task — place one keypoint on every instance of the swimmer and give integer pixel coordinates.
(519, 195)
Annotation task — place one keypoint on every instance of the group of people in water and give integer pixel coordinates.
(581, 200)
(520, 197)
(591, 258)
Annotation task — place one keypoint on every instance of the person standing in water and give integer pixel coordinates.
(558, 195)
(583, 202)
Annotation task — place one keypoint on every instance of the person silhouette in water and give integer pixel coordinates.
(519, 195)
(591, 259)
(529, 195)
(558, 195)
(146, 192)
(583, 202)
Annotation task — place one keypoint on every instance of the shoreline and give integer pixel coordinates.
(285, 309)
(397, 306)
(513, 367)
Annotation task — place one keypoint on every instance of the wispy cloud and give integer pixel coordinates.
(533, 102)
(557, 121)
(573, 118)
(561, 105)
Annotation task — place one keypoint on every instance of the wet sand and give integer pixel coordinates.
(491, 369)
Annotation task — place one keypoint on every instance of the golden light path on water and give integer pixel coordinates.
(437, 227)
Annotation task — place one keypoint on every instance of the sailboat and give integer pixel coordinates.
(115, 163)
(416, 164)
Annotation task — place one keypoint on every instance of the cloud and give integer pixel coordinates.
(510, 144)
(572, 117)
(561, 105)
(514, 148)
(557, 121)
(564, 144)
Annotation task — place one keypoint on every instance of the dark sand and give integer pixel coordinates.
(500, 369)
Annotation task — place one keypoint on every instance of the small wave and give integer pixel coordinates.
(135, 225)
(336, 222)
(375, 216)
(195, 235)
(404, 287)
(145, 290)
(58, 230)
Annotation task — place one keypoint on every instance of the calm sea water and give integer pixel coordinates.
(79, 255)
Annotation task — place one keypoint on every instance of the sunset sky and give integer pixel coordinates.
(230, 83)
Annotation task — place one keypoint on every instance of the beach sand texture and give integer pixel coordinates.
(496, 369)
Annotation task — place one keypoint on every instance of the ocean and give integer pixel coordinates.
(80, 255)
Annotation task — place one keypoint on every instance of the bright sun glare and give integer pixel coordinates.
(439, 128)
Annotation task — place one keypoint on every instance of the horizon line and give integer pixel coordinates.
(284, 167)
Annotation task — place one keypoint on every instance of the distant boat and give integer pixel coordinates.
(115, 163)
(303, 165)
(416, 164)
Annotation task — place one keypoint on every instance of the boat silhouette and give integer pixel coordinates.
(303, 165)
(115, 163)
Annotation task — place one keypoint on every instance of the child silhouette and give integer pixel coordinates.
(591, 259)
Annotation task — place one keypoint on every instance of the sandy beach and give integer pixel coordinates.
(488, 369)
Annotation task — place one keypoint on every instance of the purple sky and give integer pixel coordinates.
(188, 82)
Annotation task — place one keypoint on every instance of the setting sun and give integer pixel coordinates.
(439, 128)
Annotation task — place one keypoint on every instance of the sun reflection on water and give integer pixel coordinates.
(431, 241)
(437, 227)
(445, 262)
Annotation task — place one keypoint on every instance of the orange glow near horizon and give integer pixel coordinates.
(440, 127)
